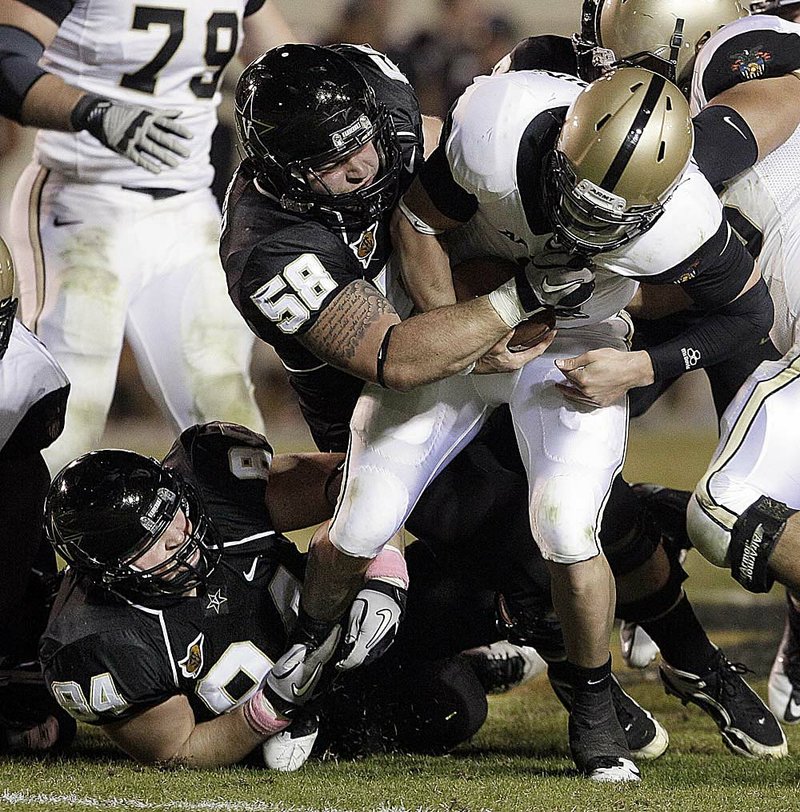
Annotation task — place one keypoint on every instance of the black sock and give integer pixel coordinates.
(683, 642)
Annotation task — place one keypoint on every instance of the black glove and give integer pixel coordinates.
(375, 617)
(146, 137)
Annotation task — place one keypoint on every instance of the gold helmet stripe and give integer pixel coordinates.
(637, 128)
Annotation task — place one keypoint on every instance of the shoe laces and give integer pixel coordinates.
(729, 680)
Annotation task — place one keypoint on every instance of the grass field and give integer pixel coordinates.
(519, 760)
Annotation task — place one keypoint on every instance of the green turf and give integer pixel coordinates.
(517, 762)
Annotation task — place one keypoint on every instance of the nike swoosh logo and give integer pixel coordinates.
(792, 712)
(251, 573)
(548, 288)
(728, 120)
(594, 681)
(58, 222)
(387, 619)
(304, 688)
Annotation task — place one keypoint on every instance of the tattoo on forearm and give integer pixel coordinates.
(342, 326)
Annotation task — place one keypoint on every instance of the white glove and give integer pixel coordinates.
(295, 678)
(374, 620)
(146, 137)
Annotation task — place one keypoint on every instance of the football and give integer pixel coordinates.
(481, 275)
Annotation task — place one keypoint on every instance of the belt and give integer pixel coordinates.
(155, 193)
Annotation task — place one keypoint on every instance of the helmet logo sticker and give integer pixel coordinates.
(364, 247)
(165, 498)
(192, 664)
(751, 62)
(340, 137)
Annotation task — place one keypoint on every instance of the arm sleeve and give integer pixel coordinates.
(724, 144)
(743, 321)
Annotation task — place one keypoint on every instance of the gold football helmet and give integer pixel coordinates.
(624, 145)
(8, 304)
(663, 35)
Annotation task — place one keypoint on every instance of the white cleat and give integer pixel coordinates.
(638, 648)
(783, 688)
(289, 750)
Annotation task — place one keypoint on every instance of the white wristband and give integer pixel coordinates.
(506, 303)
(417, 222)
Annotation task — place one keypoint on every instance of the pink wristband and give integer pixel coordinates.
(388, 563)
(262, 717)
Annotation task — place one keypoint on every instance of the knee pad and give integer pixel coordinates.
(372, 508)
(564, 518)
(753, 538)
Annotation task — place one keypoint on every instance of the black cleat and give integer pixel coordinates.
(645, 736)
(596, 741)
(745, 723)
(502, 666)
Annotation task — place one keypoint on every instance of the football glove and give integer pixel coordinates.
(149, 138)
(375, 617)
(296, 678)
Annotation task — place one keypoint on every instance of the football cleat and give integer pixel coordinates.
(645, 736)
(502, 666)
(784, 679)
(638, 648)
(596, 741)
(745, 723)
(610, 770)
(289, 750)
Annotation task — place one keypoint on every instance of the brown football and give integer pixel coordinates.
(481, 275)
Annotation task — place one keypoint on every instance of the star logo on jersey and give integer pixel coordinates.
(364, 247)
(192, 664)
(751, 63)
(217, 602)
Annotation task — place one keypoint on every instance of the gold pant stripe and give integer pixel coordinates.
(724, 517)
(34, 235)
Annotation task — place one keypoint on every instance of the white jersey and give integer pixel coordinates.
(763, 202)
(161, 54)
(27, 373)
(492, 121)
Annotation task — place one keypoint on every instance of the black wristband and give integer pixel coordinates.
(88, 114)
(382, 353)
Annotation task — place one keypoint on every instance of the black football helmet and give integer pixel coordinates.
(107, 508)
(299, 108)
(8, 304)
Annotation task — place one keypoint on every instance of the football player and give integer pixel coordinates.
(621, 202)
(114, 227)
(306, 248)
(181, 592)
(33, 394)
(761, 204)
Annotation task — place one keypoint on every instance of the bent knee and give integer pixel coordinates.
(564, 518)
(372, 508)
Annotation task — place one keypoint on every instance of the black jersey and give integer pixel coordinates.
(105, 658)
(284, 268)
